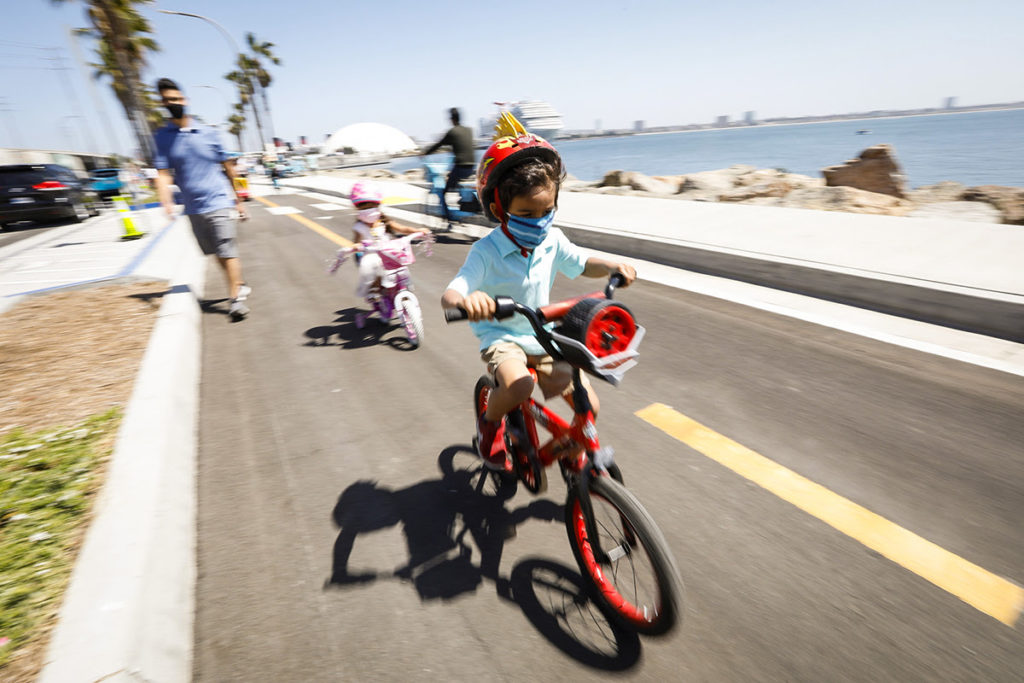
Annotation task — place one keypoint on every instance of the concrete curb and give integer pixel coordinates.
(989, 313)
(128, 612)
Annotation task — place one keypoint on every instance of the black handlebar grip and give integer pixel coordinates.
(452, 315)
(616, 280)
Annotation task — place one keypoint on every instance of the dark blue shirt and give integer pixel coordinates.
(196, 156)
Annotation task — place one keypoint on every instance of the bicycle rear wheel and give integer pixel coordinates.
(628, 564)
(433, 213)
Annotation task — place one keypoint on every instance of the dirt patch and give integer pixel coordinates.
(69, 355)
(66, 357)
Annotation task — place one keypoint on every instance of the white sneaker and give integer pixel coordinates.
(238, 309)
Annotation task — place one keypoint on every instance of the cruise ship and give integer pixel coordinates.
(540, 118)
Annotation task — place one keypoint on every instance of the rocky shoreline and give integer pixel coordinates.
(872, 184)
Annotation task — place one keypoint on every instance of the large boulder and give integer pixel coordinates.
(573, 185)
(847, 199)
(708, 184)
(875, 170)
(1009, 200)
(613, 179)
(758, 176)
(638, 181)
(775, 187)
(946, 191)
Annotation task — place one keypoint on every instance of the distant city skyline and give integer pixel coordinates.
(405, 63)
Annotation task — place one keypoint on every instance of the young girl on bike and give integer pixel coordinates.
(517, 182)
(372, 225)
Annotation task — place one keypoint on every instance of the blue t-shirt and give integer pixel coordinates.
(196, 155)
(496, 266)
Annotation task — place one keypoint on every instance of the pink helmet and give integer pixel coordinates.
(364, 192)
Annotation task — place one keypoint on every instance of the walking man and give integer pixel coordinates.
(193, 157)
(460, 139)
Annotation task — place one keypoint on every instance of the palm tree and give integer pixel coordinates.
(242, 79)
(123, 40)
(237, 121)
(263, 78)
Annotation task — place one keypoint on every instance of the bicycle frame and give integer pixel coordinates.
(566, 437)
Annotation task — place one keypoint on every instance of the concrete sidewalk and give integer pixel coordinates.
(954, 273)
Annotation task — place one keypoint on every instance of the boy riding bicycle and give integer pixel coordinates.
(518, 182)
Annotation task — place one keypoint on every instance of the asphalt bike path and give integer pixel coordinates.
(333, 547)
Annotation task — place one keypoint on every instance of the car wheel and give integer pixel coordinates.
(81, 212)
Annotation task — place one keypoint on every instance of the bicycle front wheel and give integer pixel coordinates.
(627, 563)
(412, 319)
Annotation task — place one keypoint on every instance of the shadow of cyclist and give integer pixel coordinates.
(439, 518)
(556, 601)
(442, 520)
(347, 335)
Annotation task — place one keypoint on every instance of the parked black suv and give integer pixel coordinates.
(32, 192)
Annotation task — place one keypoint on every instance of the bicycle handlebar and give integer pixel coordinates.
(458, 313)
(506, 307)
(373, 246)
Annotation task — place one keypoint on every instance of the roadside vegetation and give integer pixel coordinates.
(68, 362)
(48, 480)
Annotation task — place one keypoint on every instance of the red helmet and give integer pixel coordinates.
(515, 146)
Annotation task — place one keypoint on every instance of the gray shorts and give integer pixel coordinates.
(216, 232)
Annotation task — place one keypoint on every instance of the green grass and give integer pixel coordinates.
(47, 483)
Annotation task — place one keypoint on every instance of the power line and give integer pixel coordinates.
(12, 127)
(12, 43)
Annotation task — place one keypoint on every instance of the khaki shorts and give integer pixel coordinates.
(216, 232)
(554, 377)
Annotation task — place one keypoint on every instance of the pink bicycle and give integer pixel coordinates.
(394, 296)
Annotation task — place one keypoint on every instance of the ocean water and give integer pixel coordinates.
(978, 148)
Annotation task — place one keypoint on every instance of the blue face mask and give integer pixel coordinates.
(530, 232)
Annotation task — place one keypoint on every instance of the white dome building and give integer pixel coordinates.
(369, 138)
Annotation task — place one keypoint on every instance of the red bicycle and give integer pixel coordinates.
(618, 546)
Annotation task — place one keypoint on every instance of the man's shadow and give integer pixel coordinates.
(443, 520)
(344, 332)
(214, 306)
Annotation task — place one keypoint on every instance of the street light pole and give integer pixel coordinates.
(227, 103)
(238, 52)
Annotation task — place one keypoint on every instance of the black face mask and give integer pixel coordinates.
(176, 111)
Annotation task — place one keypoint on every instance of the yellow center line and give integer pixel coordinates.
(983, 590)
(315, 227)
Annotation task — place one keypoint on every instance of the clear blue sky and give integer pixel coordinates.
(403, 62)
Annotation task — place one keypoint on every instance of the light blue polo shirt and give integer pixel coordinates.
(196, 156)
(496, 266)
